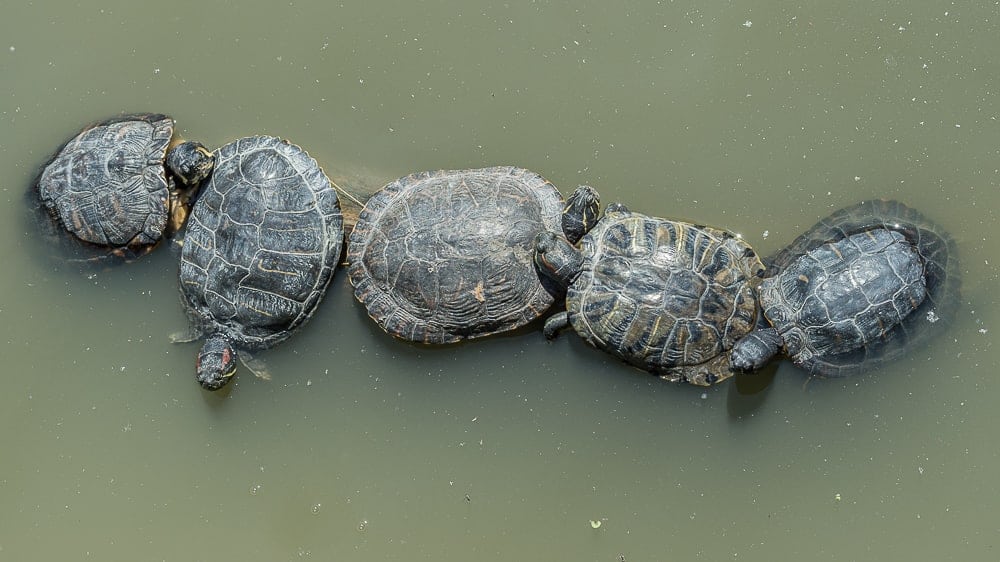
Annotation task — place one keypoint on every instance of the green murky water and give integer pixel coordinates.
(747, 115)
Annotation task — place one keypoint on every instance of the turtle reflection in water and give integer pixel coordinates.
(860, 288)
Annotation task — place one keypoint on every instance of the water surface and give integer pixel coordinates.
(751, 116)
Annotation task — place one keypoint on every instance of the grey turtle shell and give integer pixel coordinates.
(261, 244)
(442, 256)
(861, 288)
(107, 185)
(667, 296)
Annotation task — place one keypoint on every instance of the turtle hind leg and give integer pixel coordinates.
(709, 373)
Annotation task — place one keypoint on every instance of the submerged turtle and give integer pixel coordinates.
(858, 289)
(259, 251)
(670, 297)
(438, 257)
(114, 186)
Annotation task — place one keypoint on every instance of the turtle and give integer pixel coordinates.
(258, 253)
(670, 297)
(859, 289)
(121, 185)
(442, 256)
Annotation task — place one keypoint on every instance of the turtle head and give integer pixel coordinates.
(582, 210)
(216, 363)
(556, 258)
(754, 350)
(190, 162)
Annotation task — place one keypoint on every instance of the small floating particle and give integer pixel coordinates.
(595, 523)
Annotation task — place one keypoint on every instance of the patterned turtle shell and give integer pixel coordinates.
(443, 256)
(261, 245)
(108, 187)
(860, 288)
(667, 296)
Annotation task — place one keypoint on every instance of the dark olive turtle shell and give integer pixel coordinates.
(861, 287)
(442, 256)
(670, 297)
(107, 185)
(261, 244)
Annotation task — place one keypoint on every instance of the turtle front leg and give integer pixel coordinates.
(555, 324)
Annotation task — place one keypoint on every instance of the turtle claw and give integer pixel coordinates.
(185, 336)
(256, 366)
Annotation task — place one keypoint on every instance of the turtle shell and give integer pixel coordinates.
(670, 297)
(861, 287)
(107, 185)
(442, 256)
(261, 244)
